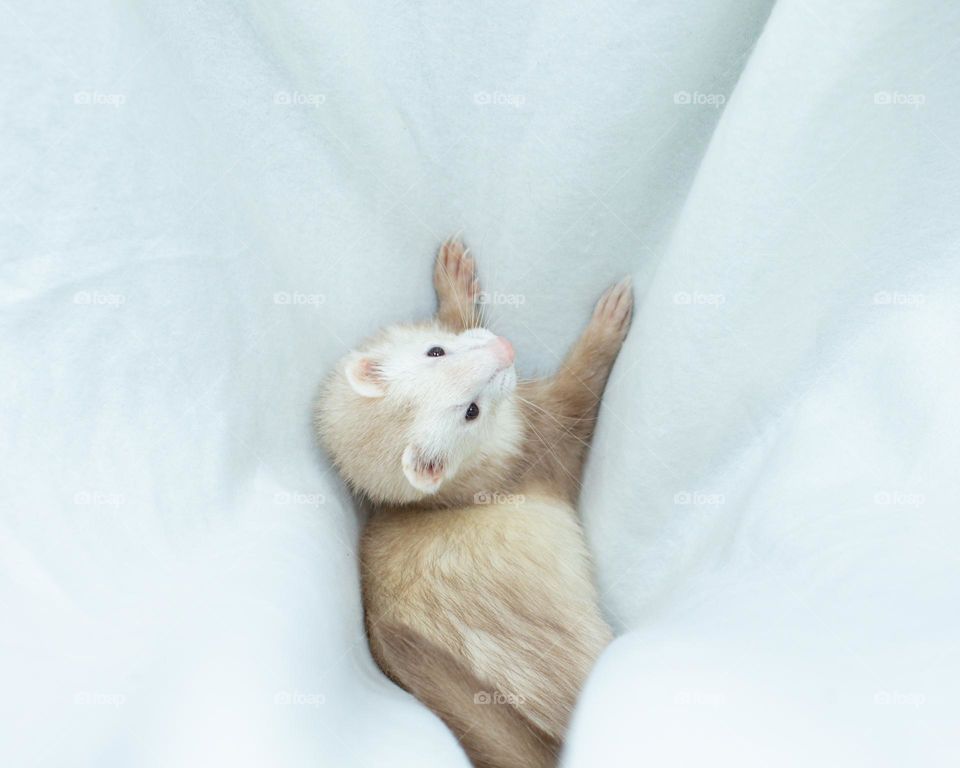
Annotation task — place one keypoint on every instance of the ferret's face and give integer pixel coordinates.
(420, 404)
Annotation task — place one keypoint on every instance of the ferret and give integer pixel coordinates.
(477, 585)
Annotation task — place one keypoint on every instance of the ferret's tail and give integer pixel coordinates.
(493, 733)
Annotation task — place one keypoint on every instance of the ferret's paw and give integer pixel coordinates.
(611, 317)
(455, 274)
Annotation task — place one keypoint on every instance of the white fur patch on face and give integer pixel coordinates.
(416, 409)
(423, 473)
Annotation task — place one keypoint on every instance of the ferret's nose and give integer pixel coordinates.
(503, 350)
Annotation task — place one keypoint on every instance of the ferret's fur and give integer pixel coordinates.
(477, 584)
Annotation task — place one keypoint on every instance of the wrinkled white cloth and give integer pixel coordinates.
(204, 205)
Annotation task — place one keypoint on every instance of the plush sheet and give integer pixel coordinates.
(204, 205)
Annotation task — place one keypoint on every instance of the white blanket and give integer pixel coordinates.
(204, 205)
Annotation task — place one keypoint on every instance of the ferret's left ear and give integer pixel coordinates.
(425, 473)
(365, 376)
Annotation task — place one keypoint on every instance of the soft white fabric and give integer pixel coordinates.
(204, 205)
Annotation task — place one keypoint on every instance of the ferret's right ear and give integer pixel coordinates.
(365, 376)
(425, 473)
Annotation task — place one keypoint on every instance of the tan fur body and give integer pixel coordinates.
(506, 590)
(479, 597)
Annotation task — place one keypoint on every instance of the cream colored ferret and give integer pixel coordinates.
(477, 585)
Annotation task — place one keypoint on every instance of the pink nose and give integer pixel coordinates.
(503, 350)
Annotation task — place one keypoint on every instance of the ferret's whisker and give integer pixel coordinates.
(558, 422)
(549, 450)
(556, 417)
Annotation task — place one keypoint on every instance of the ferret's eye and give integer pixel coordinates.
(472, 412)
(435, 352)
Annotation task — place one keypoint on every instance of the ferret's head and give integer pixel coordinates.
(417, 404)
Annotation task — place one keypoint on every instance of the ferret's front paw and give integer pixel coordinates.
(455, 274)
(455, 279)
(611, 317)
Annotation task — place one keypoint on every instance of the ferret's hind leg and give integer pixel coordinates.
(491, 731)
(455, 280)
(565, 406)
(588, 365)
(581, 379)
